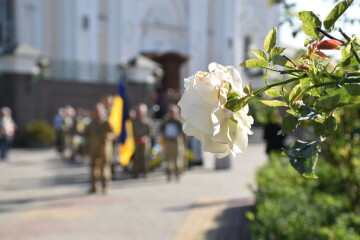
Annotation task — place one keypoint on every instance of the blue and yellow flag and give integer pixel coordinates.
(122, 125)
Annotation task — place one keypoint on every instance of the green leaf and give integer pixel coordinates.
(356, 40)
(346, 51)
(292, 112)
(329, 126)
(309, 22)
(235, 104)
(305, 83)
(281, 61)
(246, 90)
(308, 41)
(254, 63)
(340, 97)
(350, 61)
(296, 94)
(277, 51)
(272, 93)
(307, 113)
(288, 124)
(353, 89)
(303, 157)
(274, 103)
(270, 40)
(233, 95)
(335, 13)
(261, 54)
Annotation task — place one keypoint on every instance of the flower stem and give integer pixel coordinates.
(289, 71)
(346, 80)
(328, 35)
(353, 51)
(261, 90)
(290, 60)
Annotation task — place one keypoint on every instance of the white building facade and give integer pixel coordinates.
(110, 31)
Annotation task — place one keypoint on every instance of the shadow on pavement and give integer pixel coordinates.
(215, 219)
(13, 205)
(195, 205)
(232, 224)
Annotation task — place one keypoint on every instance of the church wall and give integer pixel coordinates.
(43, 99)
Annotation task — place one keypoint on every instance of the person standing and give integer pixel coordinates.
(173, 142)
(57, 124)
(68, 130)
(7, 131)
(99, 146)
(142, 127)
(274, 141)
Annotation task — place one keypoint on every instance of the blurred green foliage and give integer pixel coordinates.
(40, 134)
(289, 207)
(342, 151)
(263, 114)
(292, 208)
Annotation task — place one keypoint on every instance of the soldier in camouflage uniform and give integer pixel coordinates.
(174, 144)
(142, 134)
(68, 130)
(99, 146)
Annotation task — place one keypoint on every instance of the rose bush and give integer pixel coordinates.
(221, 130)
(311, 89)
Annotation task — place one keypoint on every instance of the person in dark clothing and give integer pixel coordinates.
(274, 141)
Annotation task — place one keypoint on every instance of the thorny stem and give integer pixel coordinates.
(344, 35)
(289, 60)
(261, 90)
(290, 72)
(341, 81)
(328, 35)
(353, 51)
(352, 80)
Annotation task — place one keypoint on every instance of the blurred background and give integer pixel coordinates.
(56, 53)
(58, 58)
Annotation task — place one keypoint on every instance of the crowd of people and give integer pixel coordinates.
(70, 125)
(88, 134)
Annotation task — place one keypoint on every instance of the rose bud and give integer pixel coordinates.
(330, 44)
(321, 55)
(303, 67)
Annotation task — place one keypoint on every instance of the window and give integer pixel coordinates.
(7, 23)
(85, 23)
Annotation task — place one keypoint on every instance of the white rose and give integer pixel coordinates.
(203, 107)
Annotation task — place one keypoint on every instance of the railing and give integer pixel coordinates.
(70, 70)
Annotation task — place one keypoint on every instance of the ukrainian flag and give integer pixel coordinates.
(122, 125)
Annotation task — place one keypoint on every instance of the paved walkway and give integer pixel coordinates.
(44, 198)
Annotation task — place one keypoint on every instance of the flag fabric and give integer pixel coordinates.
(122, 125)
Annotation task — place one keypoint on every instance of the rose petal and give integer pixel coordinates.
(197, 115)
(206, 90)
(222, 155)
(196, 111)
(208, 144)
(240, 141)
